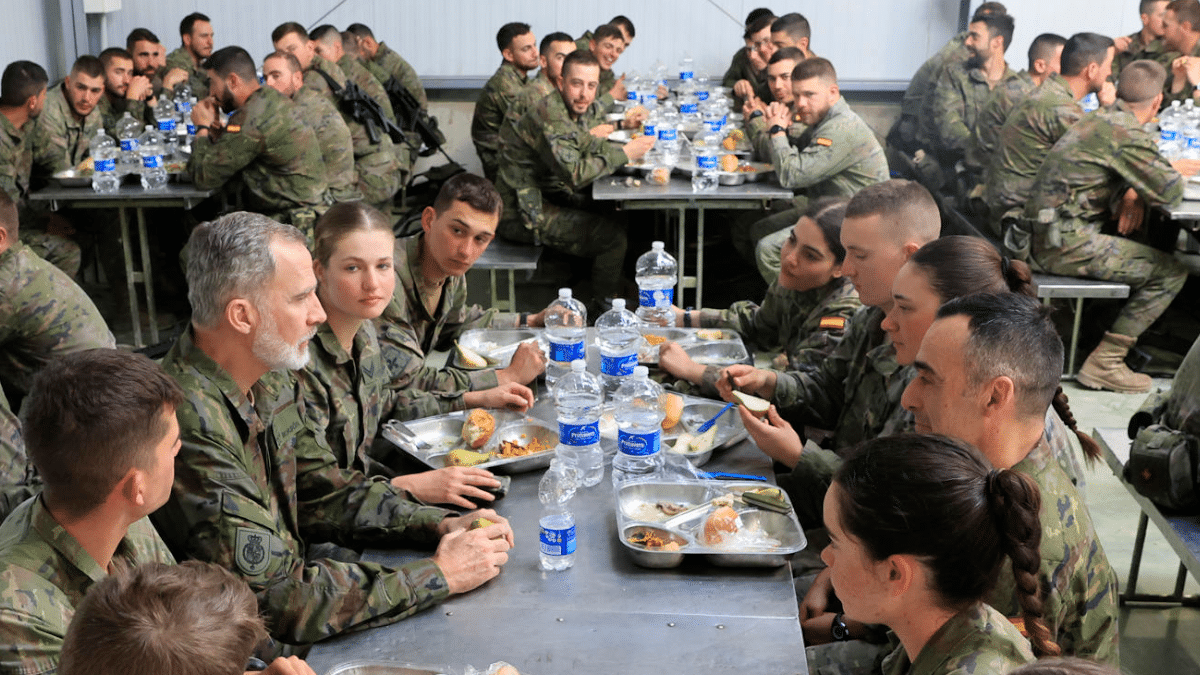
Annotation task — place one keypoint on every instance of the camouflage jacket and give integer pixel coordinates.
(333, 136)
(1188, 91)
(550, 155)
(756, 133)
(740, 68)
(856, 390)
(44, 573)
(1090, 167)
(953, 51)
(1032, 128)
(1079, 587)
(1007, 94)
(537, 89)
(976, 641)
(59, 140)
(273, 152)
(18, 480)
(255, 486)
(952, 109)
(43, 314)
(197, 77)
(395, 65)
(16, 159)
(408, 332)
(1153, 50)
(584, 42)
(806, 325)
(837, 157)
(490, 109)
(112, 111)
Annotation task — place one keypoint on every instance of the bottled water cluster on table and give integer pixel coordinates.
(698, 110)
(145, 150)
(1179, 131)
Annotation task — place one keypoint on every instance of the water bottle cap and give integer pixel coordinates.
(578, 366)
(641, 372)
(658, 246)
(564, 293)
(618, 303)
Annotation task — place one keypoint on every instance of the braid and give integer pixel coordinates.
(1014, 502)
(1091, 450)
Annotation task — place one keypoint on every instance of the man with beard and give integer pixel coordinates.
(124, 90)
(62, 133)
(518, 48)
(263, 142)
(196, 31)
(150, 60)
(257, 490)
(552, 52)
(959, 92)
(1147, 43)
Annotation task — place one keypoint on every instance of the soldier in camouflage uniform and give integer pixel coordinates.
(45, 566)
(282, 72)
(1044, 59)
(748, 76)
(256, 488)
(18, 481)
(548, 160)
(375, 162)
(264, 143)
(836, 155)
(1181, 38)
(1147, 43)
(63, 132)
(124, 91)
(386, 63)
(1036, 124)
(196, 31)
(551, 53)
(43, 313)
(1089, 170)
(519, 51)
(607, 43)
(429, 307)
(149, 58)
(1009, 336)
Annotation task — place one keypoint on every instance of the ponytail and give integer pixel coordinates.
(1091, 451)
(1015, 505)
(1018, 276)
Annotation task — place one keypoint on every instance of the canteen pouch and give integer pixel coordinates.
(1162, 467)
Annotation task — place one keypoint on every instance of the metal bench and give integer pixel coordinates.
(509, 256)
(1049, 287)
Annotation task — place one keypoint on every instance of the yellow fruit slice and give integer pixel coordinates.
(469, 357)
(756, 406)
(673, 405)
(463, 457)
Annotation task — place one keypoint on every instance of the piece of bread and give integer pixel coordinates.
(478, 428)
(720, 522)
(673, 406)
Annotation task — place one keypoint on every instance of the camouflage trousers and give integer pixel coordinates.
(580, 233)
(1154, 277)
(58, 251)
(379, 179)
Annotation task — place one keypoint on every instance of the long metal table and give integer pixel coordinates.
(174, 195)
(677, 196)
(604, 615)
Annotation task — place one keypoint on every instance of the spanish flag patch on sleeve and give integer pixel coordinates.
(233, 128)
(825, 142)
(832, 323)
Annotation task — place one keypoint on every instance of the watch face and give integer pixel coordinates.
(839, 629)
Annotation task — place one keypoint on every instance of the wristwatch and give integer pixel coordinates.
(838, 628)
(756, 114)
(775, 130)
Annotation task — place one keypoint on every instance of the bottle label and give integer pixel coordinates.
(631, 95)
(558, 542)
(686, 74)
(105, 165)
(689, 108)
(129, 144)
(638, 445)
(152, 161)
(714, 125)
(183, 106)
(618, 366)
(665, 296)
(706, 163)
(191, 129)
(1193, 142)
(648, 129)
(166, 125)
(566, 351)
(666, 134)
(579, 435)
(702, 95)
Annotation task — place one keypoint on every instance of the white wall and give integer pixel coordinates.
(31, 30)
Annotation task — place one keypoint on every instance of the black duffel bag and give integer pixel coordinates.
(1162, 466)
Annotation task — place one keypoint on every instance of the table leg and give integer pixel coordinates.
(147, 276)
(699, 256)
(1135, 562)
(681, 257)
(130, 281)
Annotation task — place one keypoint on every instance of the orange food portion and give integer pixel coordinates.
(729, 163)
(510, 449)
(653, 340)
(478, 428)
(729, 143)
(719, 523)
(673, 405)
(661, 175)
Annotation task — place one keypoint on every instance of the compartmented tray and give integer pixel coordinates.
(763, 537)
(496, 346)
(708, 346)
(382, 668)
(443, 433)
(696, 411)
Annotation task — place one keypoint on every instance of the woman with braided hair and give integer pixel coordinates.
(919, 527)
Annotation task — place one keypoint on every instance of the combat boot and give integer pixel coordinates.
(1105, 367)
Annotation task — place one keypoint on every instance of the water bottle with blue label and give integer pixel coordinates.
(1090, 103)
(704, 175)
(579, 398)
(103, 150)
(618, 333)
(164, 115)
(667, 127)
(556, 539)
(566, 326)
(656, 277)
(639, 414)
(154, 170)
(127, 137)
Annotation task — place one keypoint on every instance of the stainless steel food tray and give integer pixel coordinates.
(634, 504)
(689, 338)
(443, 433)
(496, 345)
(382, 668)
(696, 411)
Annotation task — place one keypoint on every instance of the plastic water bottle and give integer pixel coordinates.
(655, 276)
(103, 150)
(650, 126)
(127, 136)
(618, 332)
(183, 98)
(154, 171)
(703, 89)
(187, 131)
(566, 327)
(639, 427)
(689, 110)
(687, 68)
(557, 538)
(704, 176)
(164, 116)
(1089, 103)
(667, 127)
(579, 399)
